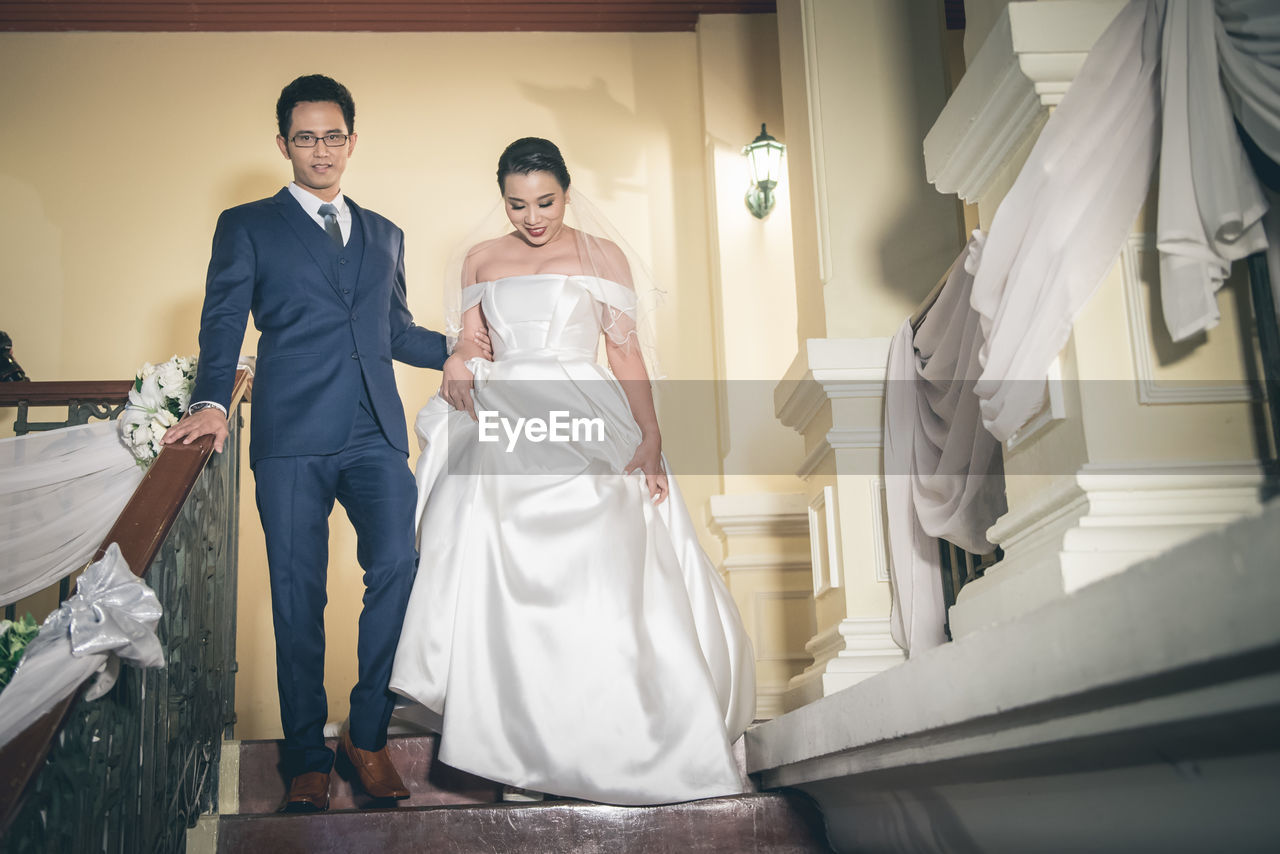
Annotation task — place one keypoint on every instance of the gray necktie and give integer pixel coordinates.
(330, 214)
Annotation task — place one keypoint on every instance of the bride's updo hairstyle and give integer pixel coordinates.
(532, 154)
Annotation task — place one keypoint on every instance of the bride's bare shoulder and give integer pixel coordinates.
(486, 248)
(610, 260)
(481, 257)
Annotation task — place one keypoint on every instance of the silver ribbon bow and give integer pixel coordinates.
(113, 612)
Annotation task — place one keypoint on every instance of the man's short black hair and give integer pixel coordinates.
(314, 87)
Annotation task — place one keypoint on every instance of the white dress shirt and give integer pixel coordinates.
(311, 204)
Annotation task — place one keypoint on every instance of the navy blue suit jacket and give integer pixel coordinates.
(317, 344)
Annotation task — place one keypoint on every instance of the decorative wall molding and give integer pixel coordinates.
(868, 646)
(837, 439)
(1044, 511)
(766, 568)
(879, 528)
(813, 91)
(770, 701)
(827, 369)
(824, 542)
(759, 514)
(813, 459)
(807, 686)
(366, 16)
(762, 602)
(1138, 310)
(804, 399)
(1053, 409)
(825, 645)
(1024, 67)
(1097, 523)
(855, 649)
(763, 562)
(855, 438)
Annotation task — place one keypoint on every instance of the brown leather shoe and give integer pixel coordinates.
(308, 792)
(377, 775)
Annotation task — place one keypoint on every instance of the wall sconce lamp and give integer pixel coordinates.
(764, 154)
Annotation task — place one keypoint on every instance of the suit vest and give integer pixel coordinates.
(345, 261)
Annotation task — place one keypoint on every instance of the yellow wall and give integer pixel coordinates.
(752, 268)
(802, 172)
(754, 300)
(121, 149)
(862, 84)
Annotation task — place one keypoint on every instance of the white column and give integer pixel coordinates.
(834, 397)
(861, 82)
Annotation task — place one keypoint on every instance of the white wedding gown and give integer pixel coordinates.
(574, 638)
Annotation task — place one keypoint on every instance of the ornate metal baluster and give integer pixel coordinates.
(78, 412)
(959, 567)
(134, 769)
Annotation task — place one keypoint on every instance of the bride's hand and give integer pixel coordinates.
(456, 386)
(648, 459)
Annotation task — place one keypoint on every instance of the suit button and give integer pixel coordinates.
(346, 290)
(342, 260)
(355, 355)
(355, 316)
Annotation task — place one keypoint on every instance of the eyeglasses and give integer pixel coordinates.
(309, 140)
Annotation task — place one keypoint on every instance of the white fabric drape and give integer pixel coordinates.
(60, 492)
(1248, 38)
(112, 615)
(1062, 224)
(1150, 87)
(1168, 80)
(944, 472)
(1211, 205)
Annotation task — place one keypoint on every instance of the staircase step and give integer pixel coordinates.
(771, 823)
(430, 783)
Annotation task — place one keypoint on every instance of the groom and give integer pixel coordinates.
(324, 279)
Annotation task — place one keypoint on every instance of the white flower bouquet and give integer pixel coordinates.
(159, 398)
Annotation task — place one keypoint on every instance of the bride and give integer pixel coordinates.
(566, 633)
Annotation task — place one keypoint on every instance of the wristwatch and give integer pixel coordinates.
(204, 404)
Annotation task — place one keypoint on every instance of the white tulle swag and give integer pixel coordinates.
(61, 492)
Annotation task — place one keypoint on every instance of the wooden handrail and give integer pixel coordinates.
(140, 529)
(146, 519)
(61, 393)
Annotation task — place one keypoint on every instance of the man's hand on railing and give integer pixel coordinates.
(206, 422)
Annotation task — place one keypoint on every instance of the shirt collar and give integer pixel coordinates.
(311, 203)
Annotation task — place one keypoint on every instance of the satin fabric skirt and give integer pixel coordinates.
(564, 634)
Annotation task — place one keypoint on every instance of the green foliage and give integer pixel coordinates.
(14, 637)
